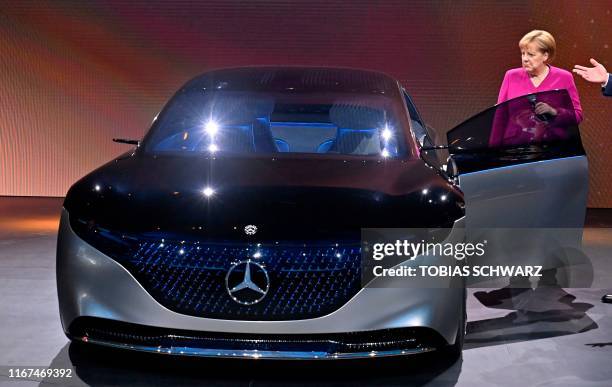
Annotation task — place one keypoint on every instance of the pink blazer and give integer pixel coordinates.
(516, 124)
(516, 83)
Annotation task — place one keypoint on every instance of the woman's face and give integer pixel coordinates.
(532, 58)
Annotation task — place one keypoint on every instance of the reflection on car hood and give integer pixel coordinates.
(285, 198)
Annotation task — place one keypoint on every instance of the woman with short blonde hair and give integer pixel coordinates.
(543, 40)
(538, 49)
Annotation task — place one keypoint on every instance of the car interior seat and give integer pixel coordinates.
(357, 130)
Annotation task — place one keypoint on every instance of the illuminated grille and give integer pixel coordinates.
(305, 281)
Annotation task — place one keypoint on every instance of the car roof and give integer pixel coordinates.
(297, 79)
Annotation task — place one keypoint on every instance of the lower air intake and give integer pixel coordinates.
(388, 342)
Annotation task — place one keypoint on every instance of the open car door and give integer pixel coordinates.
(525, 182)
(520, 169)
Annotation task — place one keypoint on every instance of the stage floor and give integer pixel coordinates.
(564, 337)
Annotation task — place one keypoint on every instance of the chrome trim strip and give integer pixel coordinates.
(255, 354)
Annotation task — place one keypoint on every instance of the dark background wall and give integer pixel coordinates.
(75, 74)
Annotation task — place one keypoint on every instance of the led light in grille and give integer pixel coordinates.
(208, 192)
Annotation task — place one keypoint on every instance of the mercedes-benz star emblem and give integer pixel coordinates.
(247, 282)
(250, 229)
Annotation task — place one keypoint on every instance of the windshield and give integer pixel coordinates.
(317, 111)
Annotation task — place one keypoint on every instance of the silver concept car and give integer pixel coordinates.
(233, 228)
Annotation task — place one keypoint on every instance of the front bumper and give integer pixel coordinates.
(379, 343)
(90, 284)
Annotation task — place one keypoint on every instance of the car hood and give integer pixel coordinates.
(288, 198)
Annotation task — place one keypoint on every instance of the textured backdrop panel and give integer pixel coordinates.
(75, 74)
